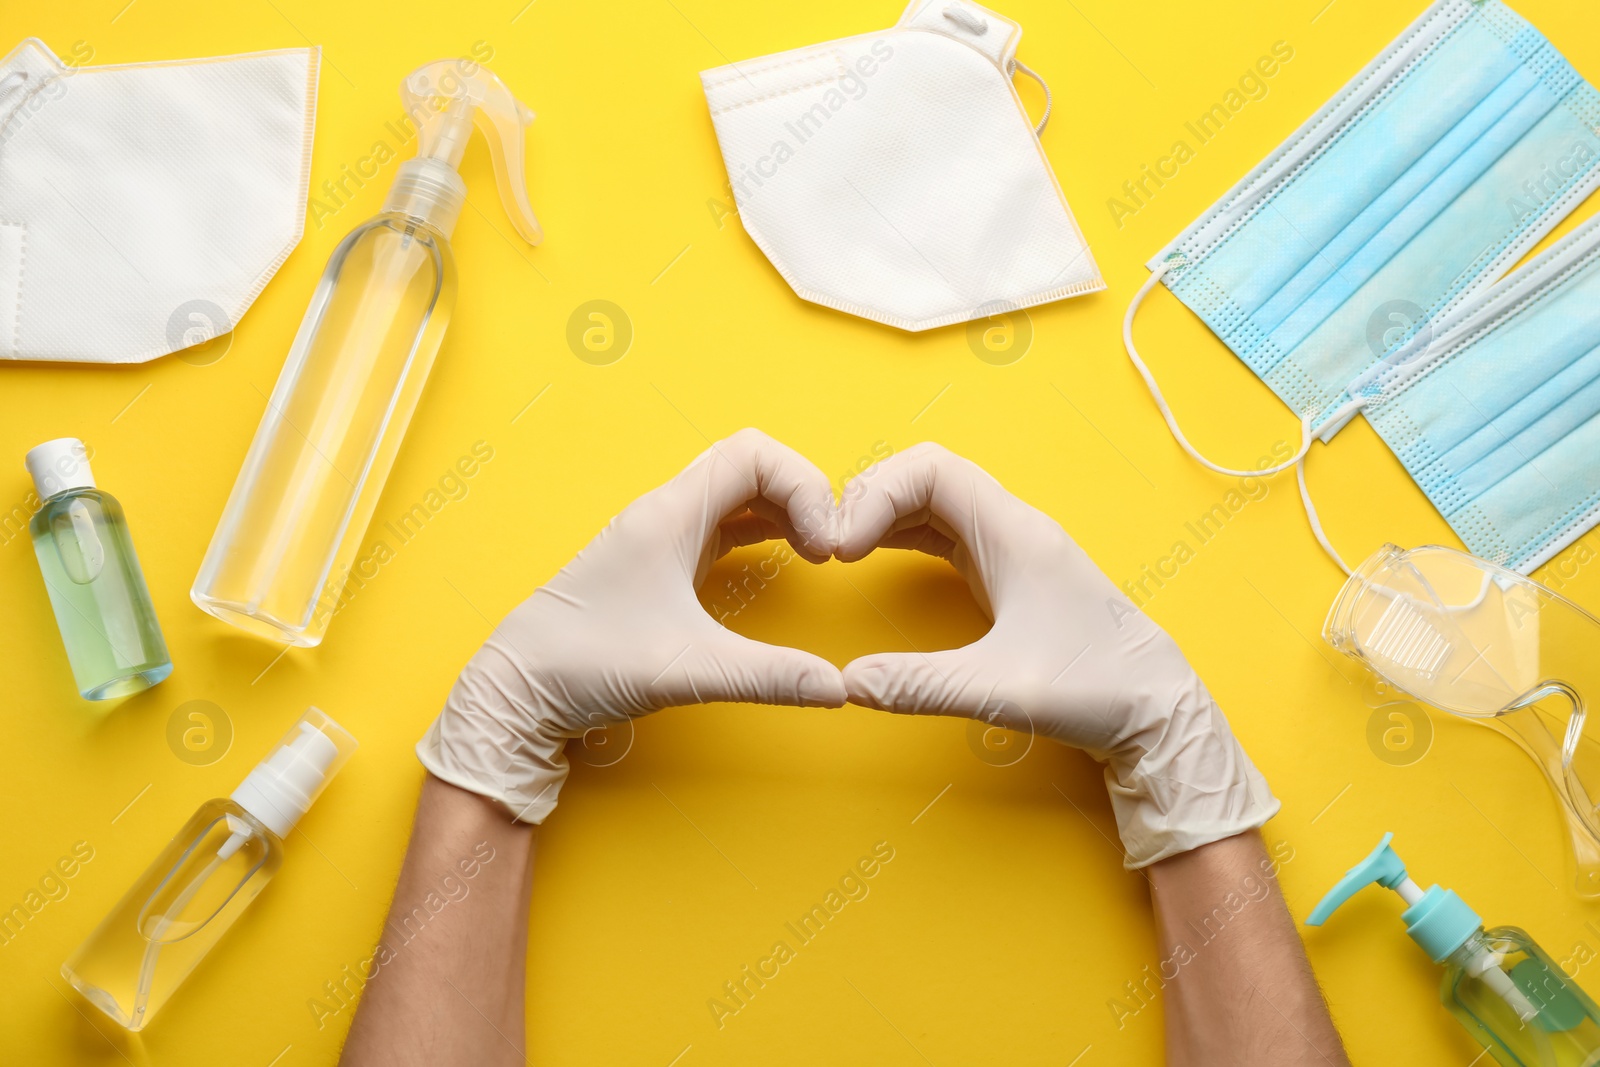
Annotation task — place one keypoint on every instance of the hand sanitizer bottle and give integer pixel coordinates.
(1506, 990)
(101, 603)
(288, 537)
(205, 878)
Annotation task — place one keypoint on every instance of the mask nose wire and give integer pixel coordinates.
(1297, 461)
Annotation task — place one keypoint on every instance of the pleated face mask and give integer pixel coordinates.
(143, 206)
(1397, 204)
(1496, 412)
(896, 175)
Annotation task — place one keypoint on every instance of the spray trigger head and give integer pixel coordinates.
(446, 98)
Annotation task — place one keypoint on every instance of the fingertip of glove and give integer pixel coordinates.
(845, 553)
(864, 684)
(820, 688)
(812, 553)
(849, 545)
(824, 537)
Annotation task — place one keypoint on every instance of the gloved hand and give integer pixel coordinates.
(1068, 655)
(618, 631)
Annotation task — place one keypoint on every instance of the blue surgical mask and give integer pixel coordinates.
(1406, 196)
(1496, 411)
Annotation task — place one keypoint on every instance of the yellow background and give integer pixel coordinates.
(1005, 922)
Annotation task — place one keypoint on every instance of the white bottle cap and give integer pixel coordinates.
(283, 786)
(59, 465)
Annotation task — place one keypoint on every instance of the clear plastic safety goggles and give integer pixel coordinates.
(1474, 639)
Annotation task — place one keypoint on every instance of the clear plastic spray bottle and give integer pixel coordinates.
(205, 878)
(96, 588)
(288, 537)
(1506, 990)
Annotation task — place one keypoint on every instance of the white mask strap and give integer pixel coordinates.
(1019, 67)
(1161, 401)
(1311, 512)
(978, 27)
(1297, 461)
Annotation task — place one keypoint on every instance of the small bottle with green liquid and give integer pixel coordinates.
(92, 574)
(1511, 996)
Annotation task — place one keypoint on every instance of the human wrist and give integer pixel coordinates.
(452, 812)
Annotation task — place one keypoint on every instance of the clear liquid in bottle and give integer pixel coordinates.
(205, 878)
(173, 915)
(294, 522)
(282, 553)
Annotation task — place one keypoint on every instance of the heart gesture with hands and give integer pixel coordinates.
(619, 633)
(1068, 655)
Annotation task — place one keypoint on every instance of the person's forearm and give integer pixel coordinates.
(1243, 992)
(450, 964)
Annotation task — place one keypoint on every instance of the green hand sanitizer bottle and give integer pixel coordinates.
(1506, 990)
(92, 574)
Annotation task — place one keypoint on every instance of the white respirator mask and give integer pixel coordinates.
(897, 175)
(144, 205)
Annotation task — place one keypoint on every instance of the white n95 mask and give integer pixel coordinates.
(143, 206)
(897, 176)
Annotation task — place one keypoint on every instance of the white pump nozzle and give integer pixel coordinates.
(445, 98)
(283, 786)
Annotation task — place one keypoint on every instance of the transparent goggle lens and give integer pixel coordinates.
(1478, 640)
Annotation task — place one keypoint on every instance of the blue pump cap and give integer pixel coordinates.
(1438, 920)
(1382, 865)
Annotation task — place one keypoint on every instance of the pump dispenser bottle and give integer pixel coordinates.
(96, 588)
(1506, 990)
(205, 878)
(288, 537)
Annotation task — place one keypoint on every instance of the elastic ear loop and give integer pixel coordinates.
(1019, 67)
(978, 27)
(1297, 461)
(1311, 513)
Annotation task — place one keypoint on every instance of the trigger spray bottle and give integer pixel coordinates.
(288, 537)
(1507, 991)
(204, 878)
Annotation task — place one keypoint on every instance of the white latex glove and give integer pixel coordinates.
(618, 631)
(1068, 656)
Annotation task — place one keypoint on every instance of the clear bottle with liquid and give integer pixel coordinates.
(92, 574)
(1508, 993)
(294, 522)
(204, 878)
